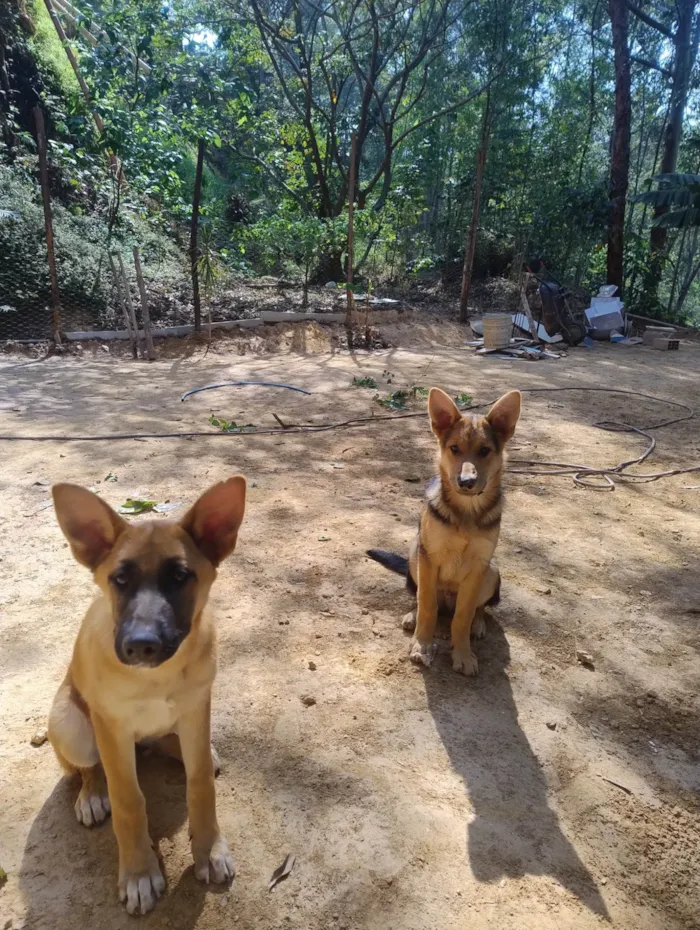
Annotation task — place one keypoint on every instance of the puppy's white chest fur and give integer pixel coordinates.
(154, 716)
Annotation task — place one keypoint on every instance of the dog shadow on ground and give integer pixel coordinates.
(513, 832)
(68, 875)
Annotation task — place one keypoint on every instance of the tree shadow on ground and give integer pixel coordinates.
(513, 831)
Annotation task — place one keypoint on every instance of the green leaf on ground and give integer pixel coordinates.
(132, 506)
(463, 399)
(395, 401)
(227, 426)
(365, 383)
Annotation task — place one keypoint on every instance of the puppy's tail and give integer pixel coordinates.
(392, 561)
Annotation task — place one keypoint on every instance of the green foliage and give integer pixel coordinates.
(395, 401)
(398, 400)
(287, 240)
(680, 195)
(463, 399)
(277, 90)
(365, 383)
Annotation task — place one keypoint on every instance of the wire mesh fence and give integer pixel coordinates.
(64, 267)
(85, 304)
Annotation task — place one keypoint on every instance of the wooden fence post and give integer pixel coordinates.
(48, 225)
(150, 351)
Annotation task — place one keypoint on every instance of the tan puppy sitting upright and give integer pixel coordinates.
(450, 562)
(142, 669)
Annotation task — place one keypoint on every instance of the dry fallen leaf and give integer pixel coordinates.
(281, 872)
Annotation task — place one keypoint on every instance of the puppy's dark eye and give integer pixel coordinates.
(455, 449)
(484, 451)
(120, 579)
(180, 574)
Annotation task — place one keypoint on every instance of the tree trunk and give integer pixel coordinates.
(476, 206)
(685, 40)
(620, 156)
(351, 228)
(194, 250)
(330, 268)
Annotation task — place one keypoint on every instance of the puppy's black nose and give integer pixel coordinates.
(467, 483)
(143, 647)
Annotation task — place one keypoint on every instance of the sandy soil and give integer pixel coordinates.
(413, 799)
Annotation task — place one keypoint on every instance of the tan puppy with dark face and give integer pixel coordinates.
(450, 563)
(142, 669)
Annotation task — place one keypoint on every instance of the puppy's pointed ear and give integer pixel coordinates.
(88, 523)
(504, 415)
(443, 412)
(214, 520)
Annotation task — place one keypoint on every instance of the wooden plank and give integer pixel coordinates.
(528, 314)
(277, 316)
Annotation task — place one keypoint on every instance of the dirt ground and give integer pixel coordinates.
(540, 795)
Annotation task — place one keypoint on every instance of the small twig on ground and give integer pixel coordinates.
(617, 784)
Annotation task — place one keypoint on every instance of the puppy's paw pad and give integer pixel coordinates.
(408, 621)
(464, 661)
(92, 808)
(478, 630)
(140, 892)
(217, 867)
(421, 654)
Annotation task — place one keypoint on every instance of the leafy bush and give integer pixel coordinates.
(294, 244)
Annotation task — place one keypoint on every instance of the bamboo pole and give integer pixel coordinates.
(73, 16)
(130, 305)
(122, 302)
(74, 62)
(150, 351)
(99, 122)
(351, 227)
(48, 225)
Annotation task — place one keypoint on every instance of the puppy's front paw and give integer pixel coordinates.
(464, 660)
(422, 653)
(92, 806)
(408, 621)
(139, 890)
(213, 864)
